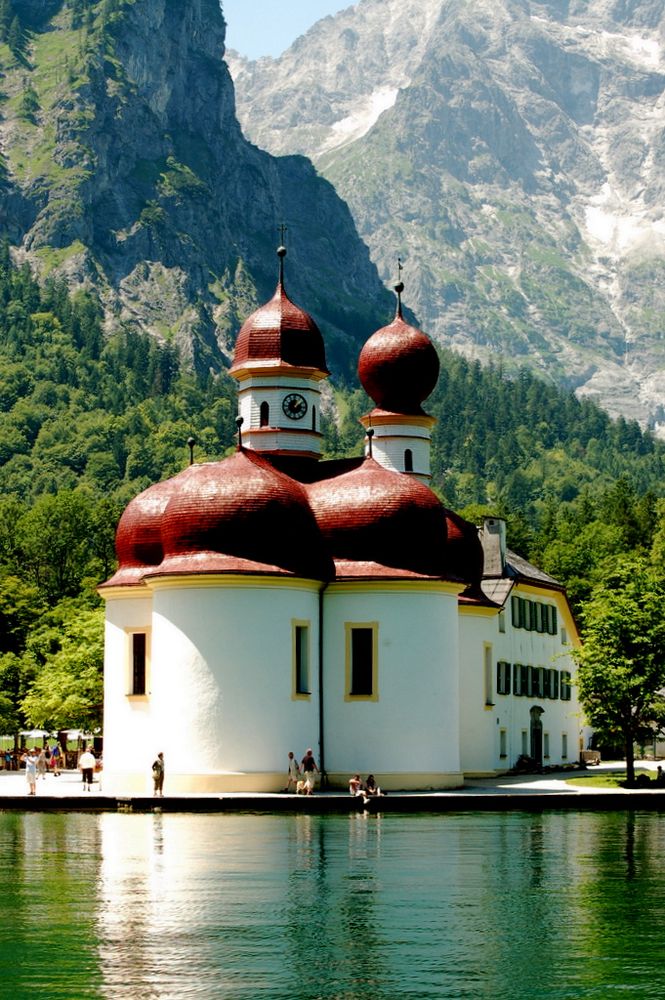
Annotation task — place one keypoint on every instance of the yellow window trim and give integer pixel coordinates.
(295, 694)
(348, 628)
(129, 666)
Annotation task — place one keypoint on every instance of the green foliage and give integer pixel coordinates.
(15, 37)
(621, 664)
(68, 687)
(29, 104)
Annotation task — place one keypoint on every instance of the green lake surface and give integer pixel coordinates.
(498, 905)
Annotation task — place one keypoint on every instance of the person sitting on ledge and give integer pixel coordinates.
(371, 787)
(355, 785)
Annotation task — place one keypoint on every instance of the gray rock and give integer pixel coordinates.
(512, 152)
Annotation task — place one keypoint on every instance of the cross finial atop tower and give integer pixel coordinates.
(281, 250)
(399, 287)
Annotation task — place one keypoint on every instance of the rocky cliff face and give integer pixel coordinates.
(123, 167)
(512, 151)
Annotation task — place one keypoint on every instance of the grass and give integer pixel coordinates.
(605, 779)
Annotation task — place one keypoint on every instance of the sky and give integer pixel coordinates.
(267, 27)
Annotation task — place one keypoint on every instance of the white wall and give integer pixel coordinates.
(481, 724)
(412, 728)
(391, 440)
(221, 680)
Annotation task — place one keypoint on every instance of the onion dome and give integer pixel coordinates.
(464, 551)
(279, 334)
(138, 540)
(398, 366)
(376, 516)
(240, 515)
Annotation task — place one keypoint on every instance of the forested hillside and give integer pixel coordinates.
(87, 421)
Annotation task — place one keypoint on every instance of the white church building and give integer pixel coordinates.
(274, 601)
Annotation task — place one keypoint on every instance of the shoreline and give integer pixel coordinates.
(510, 792)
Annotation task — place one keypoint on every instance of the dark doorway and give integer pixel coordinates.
(537, 735)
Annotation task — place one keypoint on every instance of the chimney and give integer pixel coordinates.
(493, 538)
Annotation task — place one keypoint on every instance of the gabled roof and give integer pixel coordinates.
(516, 570)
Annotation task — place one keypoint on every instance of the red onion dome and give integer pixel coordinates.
(371, 514)
(241, 515)
(399, 367)
(464, 552)
(138, 540)
(280, 333)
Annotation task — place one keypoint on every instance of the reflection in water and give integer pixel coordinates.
(511, 906)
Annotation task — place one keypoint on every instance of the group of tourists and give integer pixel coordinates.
(47, 759)
(39, 761)
(301, 777)
(365, 790)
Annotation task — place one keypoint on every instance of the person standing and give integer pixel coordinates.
(87, 766)
(310, 771)
(30, 761)
(158, 774)
(55, 760)
(292, 773)
(41, 764)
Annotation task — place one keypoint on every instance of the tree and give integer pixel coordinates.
(621, 664)
(68, 689)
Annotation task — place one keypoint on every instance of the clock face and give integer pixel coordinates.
(294, 406)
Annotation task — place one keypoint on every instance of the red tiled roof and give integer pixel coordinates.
(373, 515)
(280, 333)
(399, 367)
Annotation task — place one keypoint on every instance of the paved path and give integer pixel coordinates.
(69, 786)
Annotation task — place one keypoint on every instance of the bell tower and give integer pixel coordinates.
(399, 367)
(280, 363)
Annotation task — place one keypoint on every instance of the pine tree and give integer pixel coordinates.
(6, 15)
(15, 39)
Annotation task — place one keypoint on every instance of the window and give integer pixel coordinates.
(536, 682)
(546, 744)
(525, 743)
(564, 637)
(264, 415)
(554, 683)
(138, 658)
(502, 621)
(565, 685)
(503, 743)
(408, 460)
(487, 665)
(520, 679)
(525, 613)
(533, 615)
(564, 745)
(301, 679)
(503, 677)
(361, 660)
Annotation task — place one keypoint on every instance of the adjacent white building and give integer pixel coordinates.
(273, 601)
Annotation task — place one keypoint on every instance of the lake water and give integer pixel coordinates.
(508, 905)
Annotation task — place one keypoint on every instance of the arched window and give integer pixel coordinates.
(313, 418)
(264, 415)
(408, 460)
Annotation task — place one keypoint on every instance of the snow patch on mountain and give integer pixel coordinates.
(360, 121)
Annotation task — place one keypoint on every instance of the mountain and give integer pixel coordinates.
(511, 152)
(123, 169)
